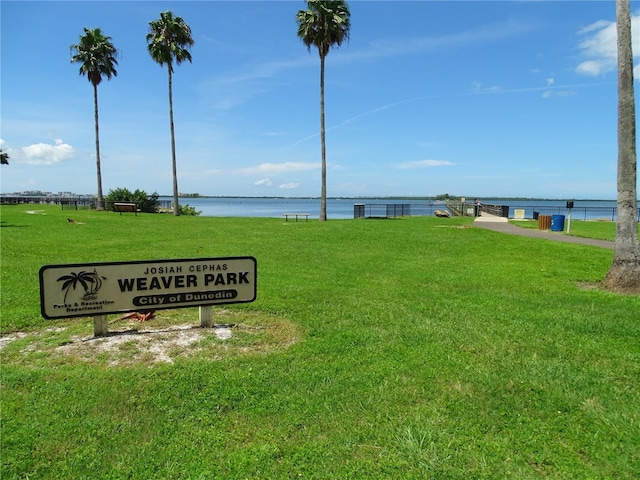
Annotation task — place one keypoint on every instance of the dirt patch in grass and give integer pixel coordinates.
(154, 342)
(7, 339)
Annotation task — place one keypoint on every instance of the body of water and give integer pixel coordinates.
(273, 207)
(343, 208)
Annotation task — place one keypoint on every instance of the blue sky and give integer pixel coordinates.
(475, 98)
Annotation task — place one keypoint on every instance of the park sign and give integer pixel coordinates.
(96, 289)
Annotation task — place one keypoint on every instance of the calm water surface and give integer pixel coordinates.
(343, 208)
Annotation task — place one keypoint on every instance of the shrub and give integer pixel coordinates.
(146, 203)
(189, 210)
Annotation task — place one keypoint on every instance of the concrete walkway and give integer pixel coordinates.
(502, 225)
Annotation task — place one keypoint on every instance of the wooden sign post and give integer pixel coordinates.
(98, 289)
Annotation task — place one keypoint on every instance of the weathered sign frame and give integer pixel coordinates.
(98, 289)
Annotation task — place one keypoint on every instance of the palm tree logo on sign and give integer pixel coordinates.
(91, 282)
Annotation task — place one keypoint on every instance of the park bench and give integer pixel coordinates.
(296, 215)
(126, 207)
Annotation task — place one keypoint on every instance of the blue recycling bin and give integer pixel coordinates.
(557, 223)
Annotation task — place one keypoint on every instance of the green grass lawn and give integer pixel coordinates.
(409, 348)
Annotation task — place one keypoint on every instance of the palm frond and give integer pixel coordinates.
(169, 39)
(96, 55)
(325, 23)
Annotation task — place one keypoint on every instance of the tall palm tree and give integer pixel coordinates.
(169, 39)
(97, 58)
(324, 24)
(624, 274)
(4, 158)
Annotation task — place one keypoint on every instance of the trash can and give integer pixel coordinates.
(358, 210)
(557, 223)
(544, 222)
(535, 215)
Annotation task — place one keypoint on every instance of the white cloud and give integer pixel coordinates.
(425, 163)
(264, 182)
(550, 81)
(45, 153)
(599, 46)
(594, 67)
(275, 168)
(290, 185)
(9, 151)
(600, 24)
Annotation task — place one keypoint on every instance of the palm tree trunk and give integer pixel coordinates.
(323, 193)
(624, 274)
(100, 202)
(176, 205)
